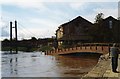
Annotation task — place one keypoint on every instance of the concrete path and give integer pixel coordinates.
(104, 70)
(111, 74)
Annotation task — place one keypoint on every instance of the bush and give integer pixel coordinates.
(45, 48)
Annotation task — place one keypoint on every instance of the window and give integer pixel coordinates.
(110, 24)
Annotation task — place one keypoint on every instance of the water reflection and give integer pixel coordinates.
(13, 68)
(36, 64)
(72, 66)
(13, 64)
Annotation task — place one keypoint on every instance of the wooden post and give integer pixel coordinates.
(56, 50)
(76, 47)
(81, 46)
(65, 49)
(109, 49)
(85, 46)
(68, 49)
(90, 46)
(102, 48)
(96, 46)
(72, 48)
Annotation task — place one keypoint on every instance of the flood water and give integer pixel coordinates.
(36, 64)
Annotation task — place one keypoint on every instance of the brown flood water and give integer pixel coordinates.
(36, 64)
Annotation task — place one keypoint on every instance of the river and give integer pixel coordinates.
(36, 64)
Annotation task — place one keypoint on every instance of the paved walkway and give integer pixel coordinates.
(103, 69)
(111, 74)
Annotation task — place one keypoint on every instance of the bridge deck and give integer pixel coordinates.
(82, 49)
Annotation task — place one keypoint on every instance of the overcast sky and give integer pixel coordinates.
(40, 19)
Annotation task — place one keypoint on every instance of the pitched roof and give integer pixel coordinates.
(77, 19)
(110, 17)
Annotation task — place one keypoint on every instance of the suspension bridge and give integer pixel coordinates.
(12, 28)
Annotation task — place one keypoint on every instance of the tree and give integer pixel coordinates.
(97, 30)
(5, 40)
(99, 17)
(33, 39)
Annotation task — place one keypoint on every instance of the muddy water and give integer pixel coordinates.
(36, 64)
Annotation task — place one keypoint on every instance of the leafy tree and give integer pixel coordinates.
(99, 33)
(99, 17)
(5, 40)
(33, 39)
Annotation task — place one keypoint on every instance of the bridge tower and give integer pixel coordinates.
(13, 43)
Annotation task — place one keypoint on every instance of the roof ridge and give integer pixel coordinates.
(110, 17)
(78, 17)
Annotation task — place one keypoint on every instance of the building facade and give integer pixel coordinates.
(80, 30)
(111, 28)
(74, 32)
(107, 30)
